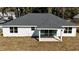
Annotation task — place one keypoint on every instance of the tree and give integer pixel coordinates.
(63, 12)
(50, 10)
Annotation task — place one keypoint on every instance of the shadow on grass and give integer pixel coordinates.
(35, 37)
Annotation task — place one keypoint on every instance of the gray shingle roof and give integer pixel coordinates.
(41, 20)
(76, 16)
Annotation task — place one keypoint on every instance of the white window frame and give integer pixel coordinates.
(68, 30)
(13, 30)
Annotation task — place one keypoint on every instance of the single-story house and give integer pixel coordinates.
(44, 26)
(76, 18)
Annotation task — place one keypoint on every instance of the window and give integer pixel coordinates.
(48, 33)
(68, 30)
(32, 28)
(13, 30)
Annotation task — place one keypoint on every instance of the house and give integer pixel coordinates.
(1, 21)
(7, 15)
(76, 18)
(44, 26)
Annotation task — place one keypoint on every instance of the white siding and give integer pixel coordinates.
(73, 34)
(28, 32)
(21, 32)
(58, 32)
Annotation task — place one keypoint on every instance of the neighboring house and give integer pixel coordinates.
(7, 15)
(76, 18)
(1, 21)
(44, 26)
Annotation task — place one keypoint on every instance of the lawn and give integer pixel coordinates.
(31, 44)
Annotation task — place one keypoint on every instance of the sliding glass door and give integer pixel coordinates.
(48, 33)
(44, 33)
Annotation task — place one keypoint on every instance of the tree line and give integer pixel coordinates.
(63, 12)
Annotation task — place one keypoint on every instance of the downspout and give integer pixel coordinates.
(39, 35)
(61, 36)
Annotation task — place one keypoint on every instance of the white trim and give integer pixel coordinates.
(0, 26)
(34, 26)
(39, 35)
(19, 26)
(49, 28)
(70, 26)
(61, 35)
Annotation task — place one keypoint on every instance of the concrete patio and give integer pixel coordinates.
(49, 39)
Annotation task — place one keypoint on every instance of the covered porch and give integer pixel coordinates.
(49, 35)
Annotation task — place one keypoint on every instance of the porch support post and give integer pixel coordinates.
(39, 35)
(61, 35)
